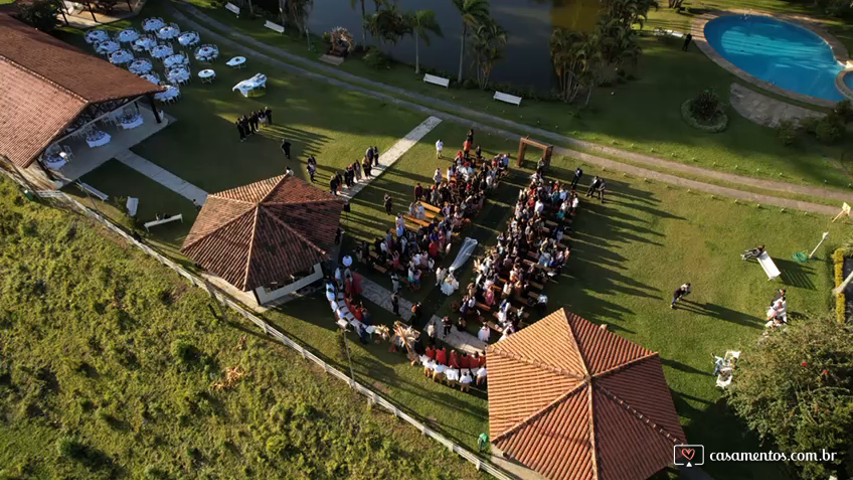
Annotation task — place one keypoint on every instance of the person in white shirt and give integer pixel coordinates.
(438, 177)
(465, 381)
(439, 146)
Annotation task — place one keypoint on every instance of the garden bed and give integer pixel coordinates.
(716, 124)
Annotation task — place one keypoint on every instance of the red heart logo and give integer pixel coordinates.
(688, 453)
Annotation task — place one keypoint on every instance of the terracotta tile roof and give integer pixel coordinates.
(574, 402)
(45, 84)
(261, 233)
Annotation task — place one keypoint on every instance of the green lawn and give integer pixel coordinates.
(642, 115)
(101, 344)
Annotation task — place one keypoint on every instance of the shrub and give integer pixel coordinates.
(71, 447)
(705, 106)
(830, 128)
(809, 124)
(844, 109)
(41, 14)
(375, 58)
(717, 124)
(184, 351)
(276, 446)
(787, 131)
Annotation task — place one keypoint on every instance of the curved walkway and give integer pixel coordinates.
(255, 49)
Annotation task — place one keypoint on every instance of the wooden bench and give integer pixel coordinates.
(274, 26)
(435, 80)
(380, 268)
(416, 221)
(94, 191)
(173, 218)
(428, 207)
(232, 8)
(507, 98)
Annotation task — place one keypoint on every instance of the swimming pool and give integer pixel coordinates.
(778, 52)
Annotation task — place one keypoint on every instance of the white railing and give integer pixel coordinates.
(224, 298)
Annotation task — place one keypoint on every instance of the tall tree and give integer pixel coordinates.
(575, 56)
(795, 389)
(388, 25)
(352, 4)
(295, 12)
(489, 41)
(473, 12)
(41, 14)
(423, 23)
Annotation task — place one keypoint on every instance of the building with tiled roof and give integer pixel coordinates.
(51, 90)
(269, 237)
(572, 401)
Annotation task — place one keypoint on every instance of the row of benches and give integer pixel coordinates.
(268, 24)
(500, 96)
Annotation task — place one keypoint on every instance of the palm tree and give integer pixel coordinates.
(575, 56)
(295, 12)
(388, 24)
(352, 4)
(473, 12)
(423, 23)
(489, 42)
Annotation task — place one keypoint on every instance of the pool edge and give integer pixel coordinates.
(839, 51)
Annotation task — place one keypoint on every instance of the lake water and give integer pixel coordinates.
(526, 62)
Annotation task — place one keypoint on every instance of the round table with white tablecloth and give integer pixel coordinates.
(107, 47)
(153, 24)
(151, 77)
(175, 60)
(120, 57)
(207, 53)
(172, 92)
(189, 39)
(97, 138)
(55, 161)
(128, 35)
(207, 75)
(236, 62)
(96, 36)
(131, 121)
(145, 43)
(140, 66)
(168, 32)
(162, 51)
(178, 75)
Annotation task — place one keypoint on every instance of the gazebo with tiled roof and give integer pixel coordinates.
(572, 401)
(269, 237)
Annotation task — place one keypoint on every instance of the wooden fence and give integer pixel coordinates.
(223, 298)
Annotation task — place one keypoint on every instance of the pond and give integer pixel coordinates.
(527, 60)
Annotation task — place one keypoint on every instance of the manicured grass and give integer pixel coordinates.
(101, 344)
(642, 115)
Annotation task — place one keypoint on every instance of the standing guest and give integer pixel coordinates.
(438, 176)
(240, 129)
(375, 155)
(431, 333)
(466, 149)
(596, 182)
(288, 171)
(419, 191)
(255, 121)
(577, 177)
(465, 381)
(285, 147)
(389, 204)
(447, 326)
(365, 166)
(369, 155)
(602, 186)
(439, 146)
(417, 311)
(340, 178)
(333, 184)
(268, 114)
(395, 303)
(470, 136)
(356, 167)
(246, 127)
(312, 170)
(687, 40)
(680, 293)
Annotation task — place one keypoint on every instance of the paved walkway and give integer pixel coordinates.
(467, 116)
(382, 296)
(765, 110)
(163, 177)
(390, 157)
(462, 341)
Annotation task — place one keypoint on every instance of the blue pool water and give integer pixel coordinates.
(777, 52)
